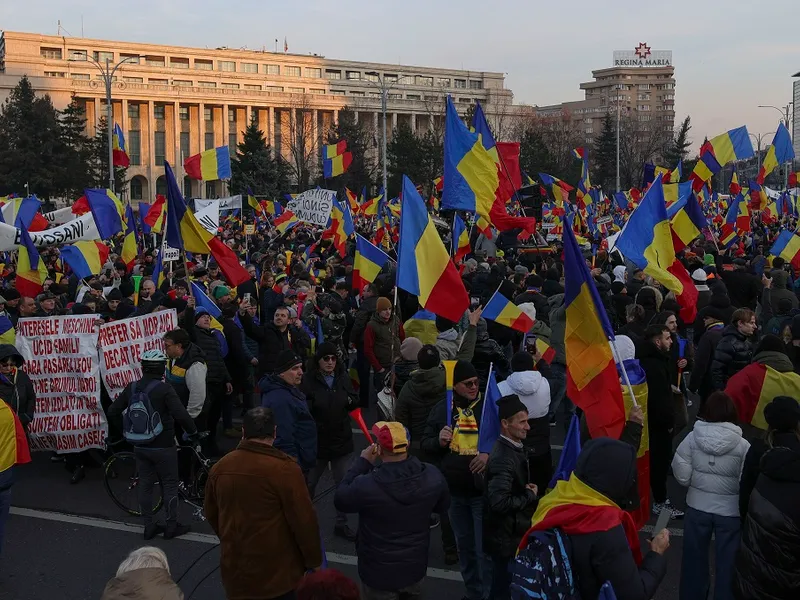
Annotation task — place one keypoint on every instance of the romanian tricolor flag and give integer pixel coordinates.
(592, 381)
(352, 200)
(368, 262)
(461, 245)
(155, 216)
(577, 509)
(285, 221)
(119, 153)
(705, 168)
(638, 381)
(371, 207)
(31, 271)
(254, 203)
(758, 199)
(502, 310)
(787, 246)
(335, 159)
(546, 350)
(158, 276)
(14, 448)
(340, 227)
(559, 189)
(470, 170)
(794, 177)
(755, 386)
(130, 245)
(438, 184)
(647, 242)
(584, 184)
(424, 267)
(203, 301)
(107, 211)
(85, 258)
(23, 213)
(209, 165)
(735, 188)
(779, 152)
(687, 221)
(185, 233)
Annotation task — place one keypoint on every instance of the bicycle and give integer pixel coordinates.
(121, 480)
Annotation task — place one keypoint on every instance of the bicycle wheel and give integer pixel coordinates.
(121, 480)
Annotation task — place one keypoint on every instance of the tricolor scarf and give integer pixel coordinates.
(577, 509)
(465, 432)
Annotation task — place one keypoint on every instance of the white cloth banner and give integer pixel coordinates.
(208, 217)
(313, 206)
(123, 342)
(60, 216)
(61, 360)
(80, 229)
(229, 203)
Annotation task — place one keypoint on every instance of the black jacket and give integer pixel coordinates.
(419, 395)
(700, 381)
(609, 466)
(207, 341)
(165, 402)
(719, 301)
(296, 431)
(656, 365)
(270, 301)
(236, 360)
(732, 354)
(17, 390)
(272, 341)
(767, 566)
(394, 502)
(330, 407)
(509, 504)
(744, 289)
(364, 314)
(455, 467)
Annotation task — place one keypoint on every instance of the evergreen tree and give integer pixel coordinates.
(604, 159)
(75, 150)
(534, 155)
(364, 170)
(432, 148)
(29, 143)
(98, 161)
(405, 156)
(678, 148)
(254, 166)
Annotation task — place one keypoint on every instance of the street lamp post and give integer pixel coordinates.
(785, 117)
(107, 73)
(758, 137)
(381, 85)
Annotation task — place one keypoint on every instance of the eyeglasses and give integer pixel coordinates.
(470, 384)
(329, 357)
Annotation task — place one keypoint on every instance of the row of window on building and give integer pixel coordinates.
(137, 183)
(230, 66)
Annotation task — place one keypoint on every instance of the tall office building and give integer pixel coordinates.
(173, 102)
(641, 84)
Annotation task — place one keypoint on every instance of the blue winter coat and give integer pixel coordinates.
(296, 430)
(394, 502)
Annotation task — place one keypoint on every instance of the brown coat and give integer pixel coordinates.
(257, 502)
(143, 584)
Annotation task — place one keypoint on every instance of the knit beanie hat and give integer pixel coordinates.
(770, 343)
(410, 348)
(521, 361)
(221, 291)
(464, 370)
(326, 349)
(708, 259)
(199, 312)
(427, 357)
(508, 406)
(383, 303)
(286, 360)
(782, 414)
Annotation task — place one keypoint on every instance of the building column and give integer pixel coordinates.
(151, 157)
(271, 123)
(125, 119)
(248, 111)
(201, 140)
(376, 121)
(225, 124)
(335, 117)
(176, 133)
(413, 123)
(97, 115)
(394, 121)
(355, 116)
(315, 135)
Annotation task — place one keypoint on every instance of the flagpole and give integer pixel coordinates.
(624, 372)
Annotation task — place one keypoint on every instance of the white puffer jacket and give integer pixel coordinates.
(709, 461)
(532, 389)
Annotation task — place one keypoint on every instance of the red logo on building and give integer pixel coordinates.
(642, 50)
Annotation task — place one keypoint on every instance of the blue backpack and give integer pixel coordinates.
(140, 423)
(542, 569)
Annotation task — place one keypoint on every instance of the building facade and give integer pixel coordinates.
(640, 84)
(173, 102)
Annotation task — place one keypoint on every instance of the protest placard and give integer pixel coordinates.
(61, 360)
(313, 206)
(123, 342)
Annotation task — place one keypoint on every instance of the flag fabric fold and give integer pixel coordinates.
(489, 430)
(368, 262)
(209, 165)
(502, 310)
(119, 152)
(31, 271)
(107, 211)
(787, 246)
(85, 258)
(755, 386)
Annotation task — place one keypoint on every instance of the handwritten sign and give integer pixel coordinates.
(61, 360)
(313, 206)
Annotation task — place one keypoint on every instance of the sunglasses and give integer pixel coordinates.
(470, 384)
(329, 357)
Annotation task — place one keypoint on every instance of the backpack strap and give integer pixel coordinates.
(133, 393)
(151, 386)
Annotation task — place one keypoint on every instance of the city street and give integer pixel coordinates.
(65, 541)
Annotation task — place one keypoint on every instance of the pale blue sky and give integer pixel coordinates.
(729, 56)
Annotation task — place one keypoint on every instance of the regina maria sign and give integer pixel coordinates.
(642, 56)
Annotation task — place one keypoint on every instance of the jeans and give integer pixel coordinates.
(501, 578)
(339, 467)
(6, 480)
(697, 529)
(466, 517)
(161, 462)
(558, 390)
(412, 592)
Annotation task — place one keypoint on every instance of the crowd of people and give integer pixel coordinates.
(294, 350)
